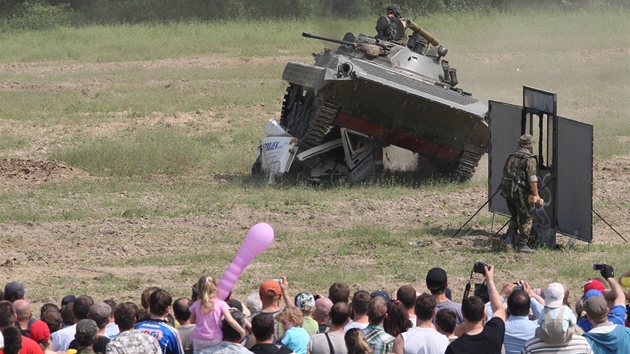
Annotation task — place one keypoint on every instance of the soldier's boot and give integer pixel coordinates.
(497, 243)
(522, 244)
(508, 241)
(523, 247)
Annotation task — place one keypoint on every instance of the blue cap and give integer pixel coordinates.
(382, 293)
(592, 293)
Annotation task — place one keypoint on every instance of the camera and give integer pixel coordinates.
(479, 268)
(598, 266)
(481, 290)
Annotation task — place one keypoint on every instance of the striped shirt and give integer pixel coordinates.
(577, 345)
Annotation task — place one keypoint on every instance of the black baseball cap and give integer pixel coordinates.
(436, 278)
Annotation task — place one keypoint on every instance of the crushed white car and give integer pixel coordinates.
(351, 157)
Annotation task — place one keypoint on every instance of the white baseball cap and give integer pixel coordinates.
(554, 295)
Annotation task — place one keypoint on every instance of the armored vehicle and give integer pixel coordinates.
(376, 93)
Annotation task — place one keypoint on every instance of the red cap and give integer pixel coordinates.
(594, 284)
(39, 331)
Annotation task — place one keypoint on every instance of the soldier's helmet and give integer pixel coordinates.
(526, 140)
(395, 8)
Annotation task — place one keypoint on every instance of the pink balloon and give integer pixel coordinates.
(258, 239)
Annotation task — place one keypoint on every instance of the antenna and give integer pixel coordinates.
(421, 9)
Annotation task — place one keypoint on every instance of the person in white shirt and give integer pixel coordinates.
(423, 338)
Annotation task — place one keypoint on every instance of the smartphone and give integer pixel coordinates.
(598, 266)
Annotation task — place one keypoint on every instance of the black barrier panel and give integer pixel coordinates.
(505, 129)
(575, 179)
(539, 100)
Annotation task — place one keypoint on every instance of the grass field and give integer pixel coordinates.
(159, 124)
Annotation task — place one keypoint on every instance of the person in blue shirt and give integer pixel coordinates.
(518, 327)
(295, 337)
(157, 323)
(605, 337)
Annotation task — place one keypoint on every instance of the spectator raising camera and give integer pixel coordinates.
(615, 298)
(474, 336)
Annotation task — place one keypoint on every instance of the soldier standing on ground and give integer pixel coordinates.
(519, 182)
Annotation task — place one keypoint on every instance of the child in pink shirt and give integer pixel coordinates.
(206, 314)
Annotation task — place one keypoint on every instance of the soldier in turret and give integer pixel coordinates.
(519, 186)
(393, 27)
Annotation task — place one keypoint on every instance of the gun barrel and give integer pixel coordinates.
(309, 35)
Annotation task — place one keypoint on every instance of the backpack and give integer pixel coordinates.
(27, 332)
(514, 174)
(553, 332)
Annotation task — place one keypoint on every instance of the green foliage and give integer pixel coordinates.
(138, 11)
(281, 9)
(347, 8)
(38, 15)
(519, 5)
(6, 6)
(468, 5)
(42, 14)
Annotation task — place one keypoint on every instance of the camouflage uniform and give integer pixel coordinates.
(134, 342)
(519, 171)
(392, 28)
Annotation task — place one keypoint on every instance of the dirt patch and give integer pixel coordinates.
(35, 171)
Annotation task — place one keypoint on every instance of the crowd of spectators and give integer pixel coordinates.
(514, 318)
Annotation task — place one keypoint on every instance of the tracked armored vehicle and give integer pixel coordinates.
(376, 93)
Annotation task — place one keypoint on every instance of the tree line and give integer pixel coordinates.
(42, 14)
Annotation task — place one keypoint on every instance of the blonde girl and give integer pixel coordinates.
(206, 314)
